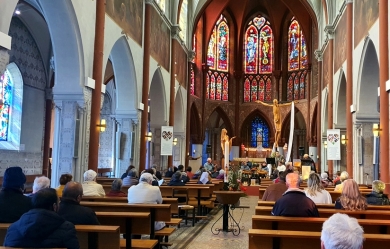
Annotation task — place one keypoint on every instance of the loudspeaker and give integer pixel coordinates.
(208, 149)
(301, 151)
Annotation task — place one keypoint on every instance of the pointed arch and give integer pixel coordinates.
(224, 117)
(195, 125)
(314, 125)
(157, 101)
(250, 131)
(179, 122)
(341, 102)
(258, 59)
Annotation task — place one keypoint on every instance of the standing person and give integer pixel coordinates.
(70, 208)
(64, 179)
(377, 197)
(315, 191)
(42, 227)
(90, 186)
(341, 231)
(12, 201)
(351, 198)
(308, 161)
(144, 192)
(294, 202)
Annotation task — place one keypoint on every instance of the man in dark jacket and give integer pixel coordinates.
(70, 208)
(13, 204)
(42, 227)
(275, 191)
(294, 202)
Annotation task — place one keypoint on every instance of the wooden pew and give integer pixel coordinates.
(129, 224)
(327, 212)
(313, 224)
(322, 205)
(282, 239)
(158, 212)
(89, 236)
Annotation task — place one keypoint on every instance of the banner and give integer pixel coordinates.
(290, 139)
(166, 140)
(333, 139)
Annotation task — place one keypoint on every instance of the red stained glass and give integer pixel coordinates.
(192, 87)
(258, 59)
(211, 49)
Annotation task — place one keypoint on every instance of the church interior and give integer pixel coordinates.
(104, 84)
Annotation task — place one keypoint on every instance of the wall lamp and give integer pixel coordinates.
(102, 126)
(175, 141)
(343, 139)
(149, 136)
(325, 144)
(376, 130)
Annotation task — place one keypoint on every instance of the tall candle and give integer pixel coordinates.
(226, 159)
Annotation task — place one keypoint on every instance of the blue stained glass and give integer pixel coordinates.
(259, 133)
(5, 108)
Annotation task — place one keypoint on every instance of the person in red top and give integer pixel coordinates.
(116, 189)
(189, 172)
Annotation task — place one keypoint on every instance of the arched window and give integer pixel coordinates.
(11, 95)
(259, 133)
(258, 63)
(297, 62)
(183, 20)
(217, 80)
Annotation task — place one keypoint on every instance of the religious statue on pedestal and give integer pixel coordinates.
(277, 118)
(224, 139)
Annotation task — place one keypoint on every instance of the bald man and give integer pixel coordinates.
(294, 202)
(70, 208)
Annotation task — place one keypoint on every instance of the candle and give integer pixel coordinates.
(226, 160)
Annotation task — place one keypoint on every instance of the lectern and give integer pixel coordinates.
(227, 198)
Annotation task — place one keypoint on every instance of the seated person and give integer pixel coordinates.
(377, 197)
(341, 231)
(144, 192)
(190, 175)
(176, 179)
(42, 227)
(325, 180)
(294, 202)
(199, 172)
(12, 201)
(208, 165)
(204, 178)
(343, 176)
(151, 171)
(90, 186)
(221, 175)
(157, 173)
(40, 182)
(64, 179)
(275, 191)
(184, 177)
(131, 179)
(171, 171)
(116, 187)
(351, 198)
(131, 167)
(70, 208)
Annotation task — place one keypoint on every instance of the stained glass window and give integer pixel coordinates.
(258, 60)
(297, 62)
(183, 20)
(6, 97)
(194, 48)
(217, 80)
(259, 133)
(192, 85)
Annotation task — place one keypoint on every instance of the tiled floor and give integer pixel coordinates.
(201, 236)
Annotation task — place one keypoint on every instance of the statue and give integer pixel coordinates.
(224, 138)
(277, 118)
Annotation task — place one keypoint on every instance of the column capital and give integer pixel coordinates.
(4, 59)
(348, 1)
(319, 54)
(191, 55)
(49, 93)
(330, 31)
(175, 30)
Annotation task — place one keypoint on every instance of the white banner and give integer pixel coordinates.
(166, 140)
(333, 139)
(290, 139)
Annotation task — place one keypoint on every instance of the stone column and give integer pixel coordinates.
(330, 32)
(145, 83)
(349, 88)
(384, 97)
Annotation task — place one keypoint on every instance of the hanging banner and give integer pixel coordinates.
(166, 140)
(290, 139)
(333, 140)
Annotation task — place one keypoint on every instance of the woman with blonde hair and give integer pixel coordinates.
(377, 197)
(351, 198)
(315, 191)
